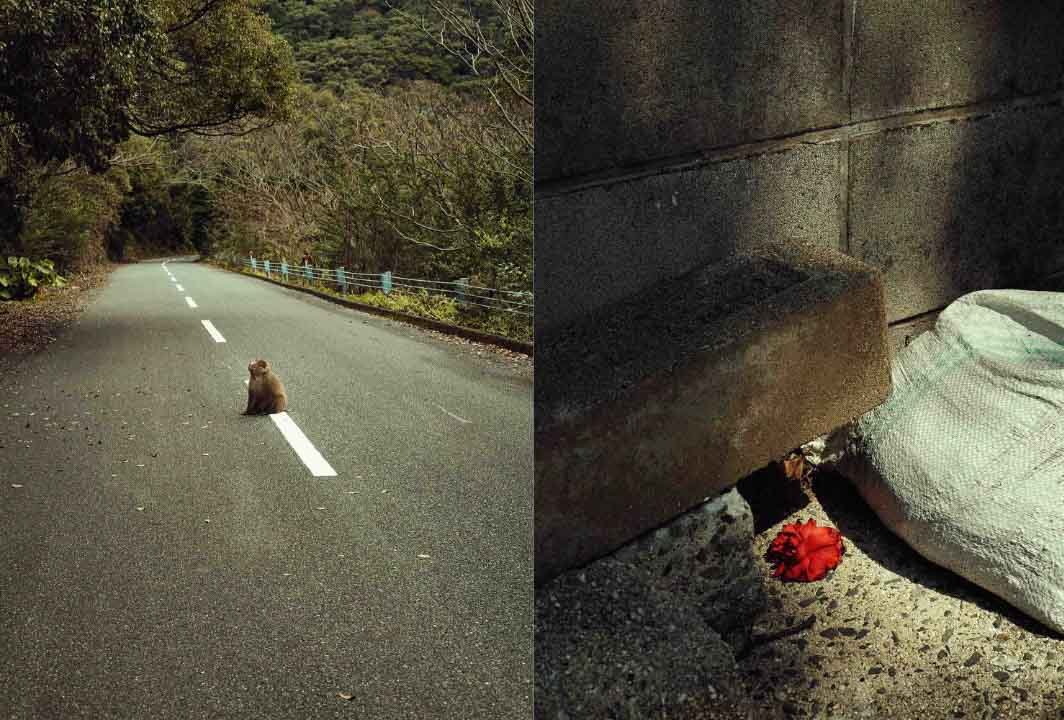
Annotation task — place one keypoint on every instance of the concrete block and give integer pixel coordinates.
(948, 208)
(648, 407)
(600, 245)
(913, 56)
(623, 83)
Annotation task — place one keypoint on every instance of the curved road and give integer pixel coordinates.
(163, 556)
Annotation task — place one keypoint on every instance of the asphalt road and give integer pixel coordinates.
(167, 557)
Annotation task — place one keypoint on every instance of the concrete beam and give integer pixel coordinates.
(649, 406)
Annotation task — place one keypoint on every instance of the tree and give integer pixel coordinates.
(78, 78)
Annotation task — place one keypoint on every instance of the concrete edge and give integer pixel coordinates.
(468, 333)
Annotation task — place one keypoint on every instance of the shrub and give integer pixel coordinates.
(21, 277)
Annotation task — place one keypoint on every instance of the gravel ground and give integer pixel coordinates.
(887, 635)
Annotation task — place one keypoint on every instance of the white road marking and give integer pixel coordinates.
(304, 449)
(213, 331)
(191, 302)
(180, 289)
(173, 279)
(441, 407)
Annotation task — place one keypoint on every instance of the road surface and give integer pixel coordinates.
(163, 556)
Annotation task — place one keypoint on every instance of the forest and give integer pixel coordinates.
(377, 135)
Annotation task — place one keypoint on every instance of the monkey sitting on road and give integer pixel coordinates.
(266, 394)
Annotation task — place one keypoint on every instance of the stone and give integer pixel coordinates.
(649, 407)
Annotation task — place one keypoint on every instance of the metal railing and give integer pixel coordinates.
(516, 302)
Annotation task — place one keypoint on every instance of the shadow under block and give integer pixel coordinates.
(649, 406)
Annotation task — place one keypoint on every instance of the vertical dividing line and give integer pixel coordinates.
(849, 22)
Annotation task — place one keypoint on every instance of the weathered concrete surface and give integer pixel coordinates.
(705, 554)
(610, 643)
(889, 632)
(641, 630)
(949, 208)
(647, 407)
(597, 246)
(917, 56)
(622, 83)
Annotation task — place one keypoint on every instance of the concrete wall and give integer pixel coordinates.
(926, 139)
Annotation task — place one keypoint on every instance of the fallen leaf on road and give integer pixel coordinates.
(140, 508)
(15, 485)
(321, 508)
(344, 696)
(426, 557)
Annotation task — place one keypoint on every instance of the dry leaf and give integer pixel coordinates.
(344, 696)
(794, 467)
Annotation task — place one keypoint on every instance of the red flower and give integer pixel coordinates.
(805, 552)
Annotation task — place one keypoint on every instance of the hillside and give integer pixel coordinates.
(369, 42)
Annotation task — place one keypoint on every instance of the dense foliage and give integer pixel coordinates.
(369, 43)
(79, 79)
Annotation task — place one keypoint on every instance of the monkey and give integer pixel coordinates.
(266, 394)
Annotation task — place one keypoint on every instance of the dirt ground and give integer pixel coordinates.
(29, 325)
(886, 635)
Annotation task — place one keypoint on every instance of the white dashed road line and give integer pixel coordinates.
(191, 302)
(213, 331)
(180, 289)
(309, 454)
(448, 412)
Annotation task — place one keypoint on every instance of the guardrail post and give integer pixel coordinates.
(284, 270)
(253, 265)
(266, 264)
(341, 278)
(306, 271)
(386, 282)
(462, 286)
